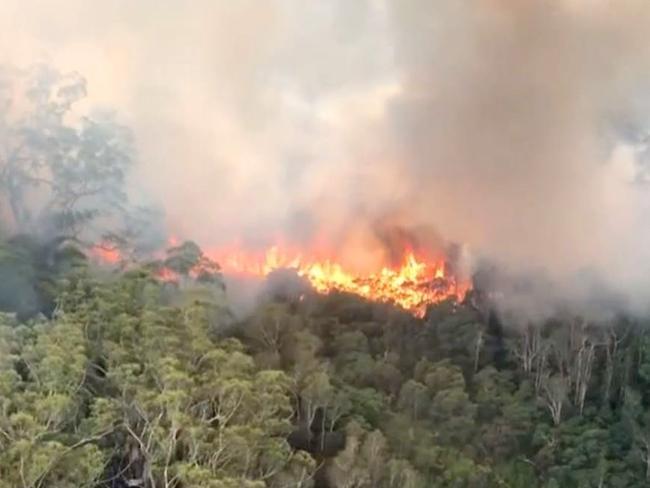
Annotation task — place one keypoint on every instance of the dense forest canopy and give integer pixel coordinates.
(134, 381)
(118, 378)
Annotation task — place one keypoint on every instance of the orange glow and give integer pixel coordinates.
(166, 274)
(105, 253)
(412, 285)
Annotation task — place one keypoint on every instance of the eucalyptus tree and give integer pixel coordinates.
(59, 169)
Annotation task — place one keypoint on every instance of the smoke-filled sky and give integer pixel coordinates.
(509, 125)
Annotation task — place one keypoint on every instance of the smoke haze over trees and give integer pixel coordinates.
(518, 130)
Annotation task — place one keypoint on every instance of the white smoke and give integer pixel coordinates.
(510, 126)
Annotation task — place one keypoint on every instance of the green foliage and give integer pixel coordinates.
(139, 381)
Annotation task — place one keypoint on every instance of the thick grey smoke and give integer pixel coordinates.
(511, 119)
(512, 126)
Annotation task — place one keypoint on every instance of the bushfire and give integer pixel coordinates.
(412, 284)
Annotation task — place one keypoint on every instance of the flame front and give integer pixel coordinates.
(413, 285)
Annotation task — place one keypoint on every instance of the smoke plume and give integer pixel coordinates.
(514, 127)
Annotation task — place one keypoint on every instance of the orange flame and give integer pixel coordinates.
(105, 254)
(412, 285)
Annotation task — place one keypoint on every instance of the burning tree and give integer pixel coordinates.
(414, 283)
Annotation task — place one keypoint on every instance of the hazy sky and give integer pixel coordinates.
(495, 121)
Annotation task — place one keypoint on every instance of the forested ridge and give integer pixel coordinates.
(134, 381)
(114, 377)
